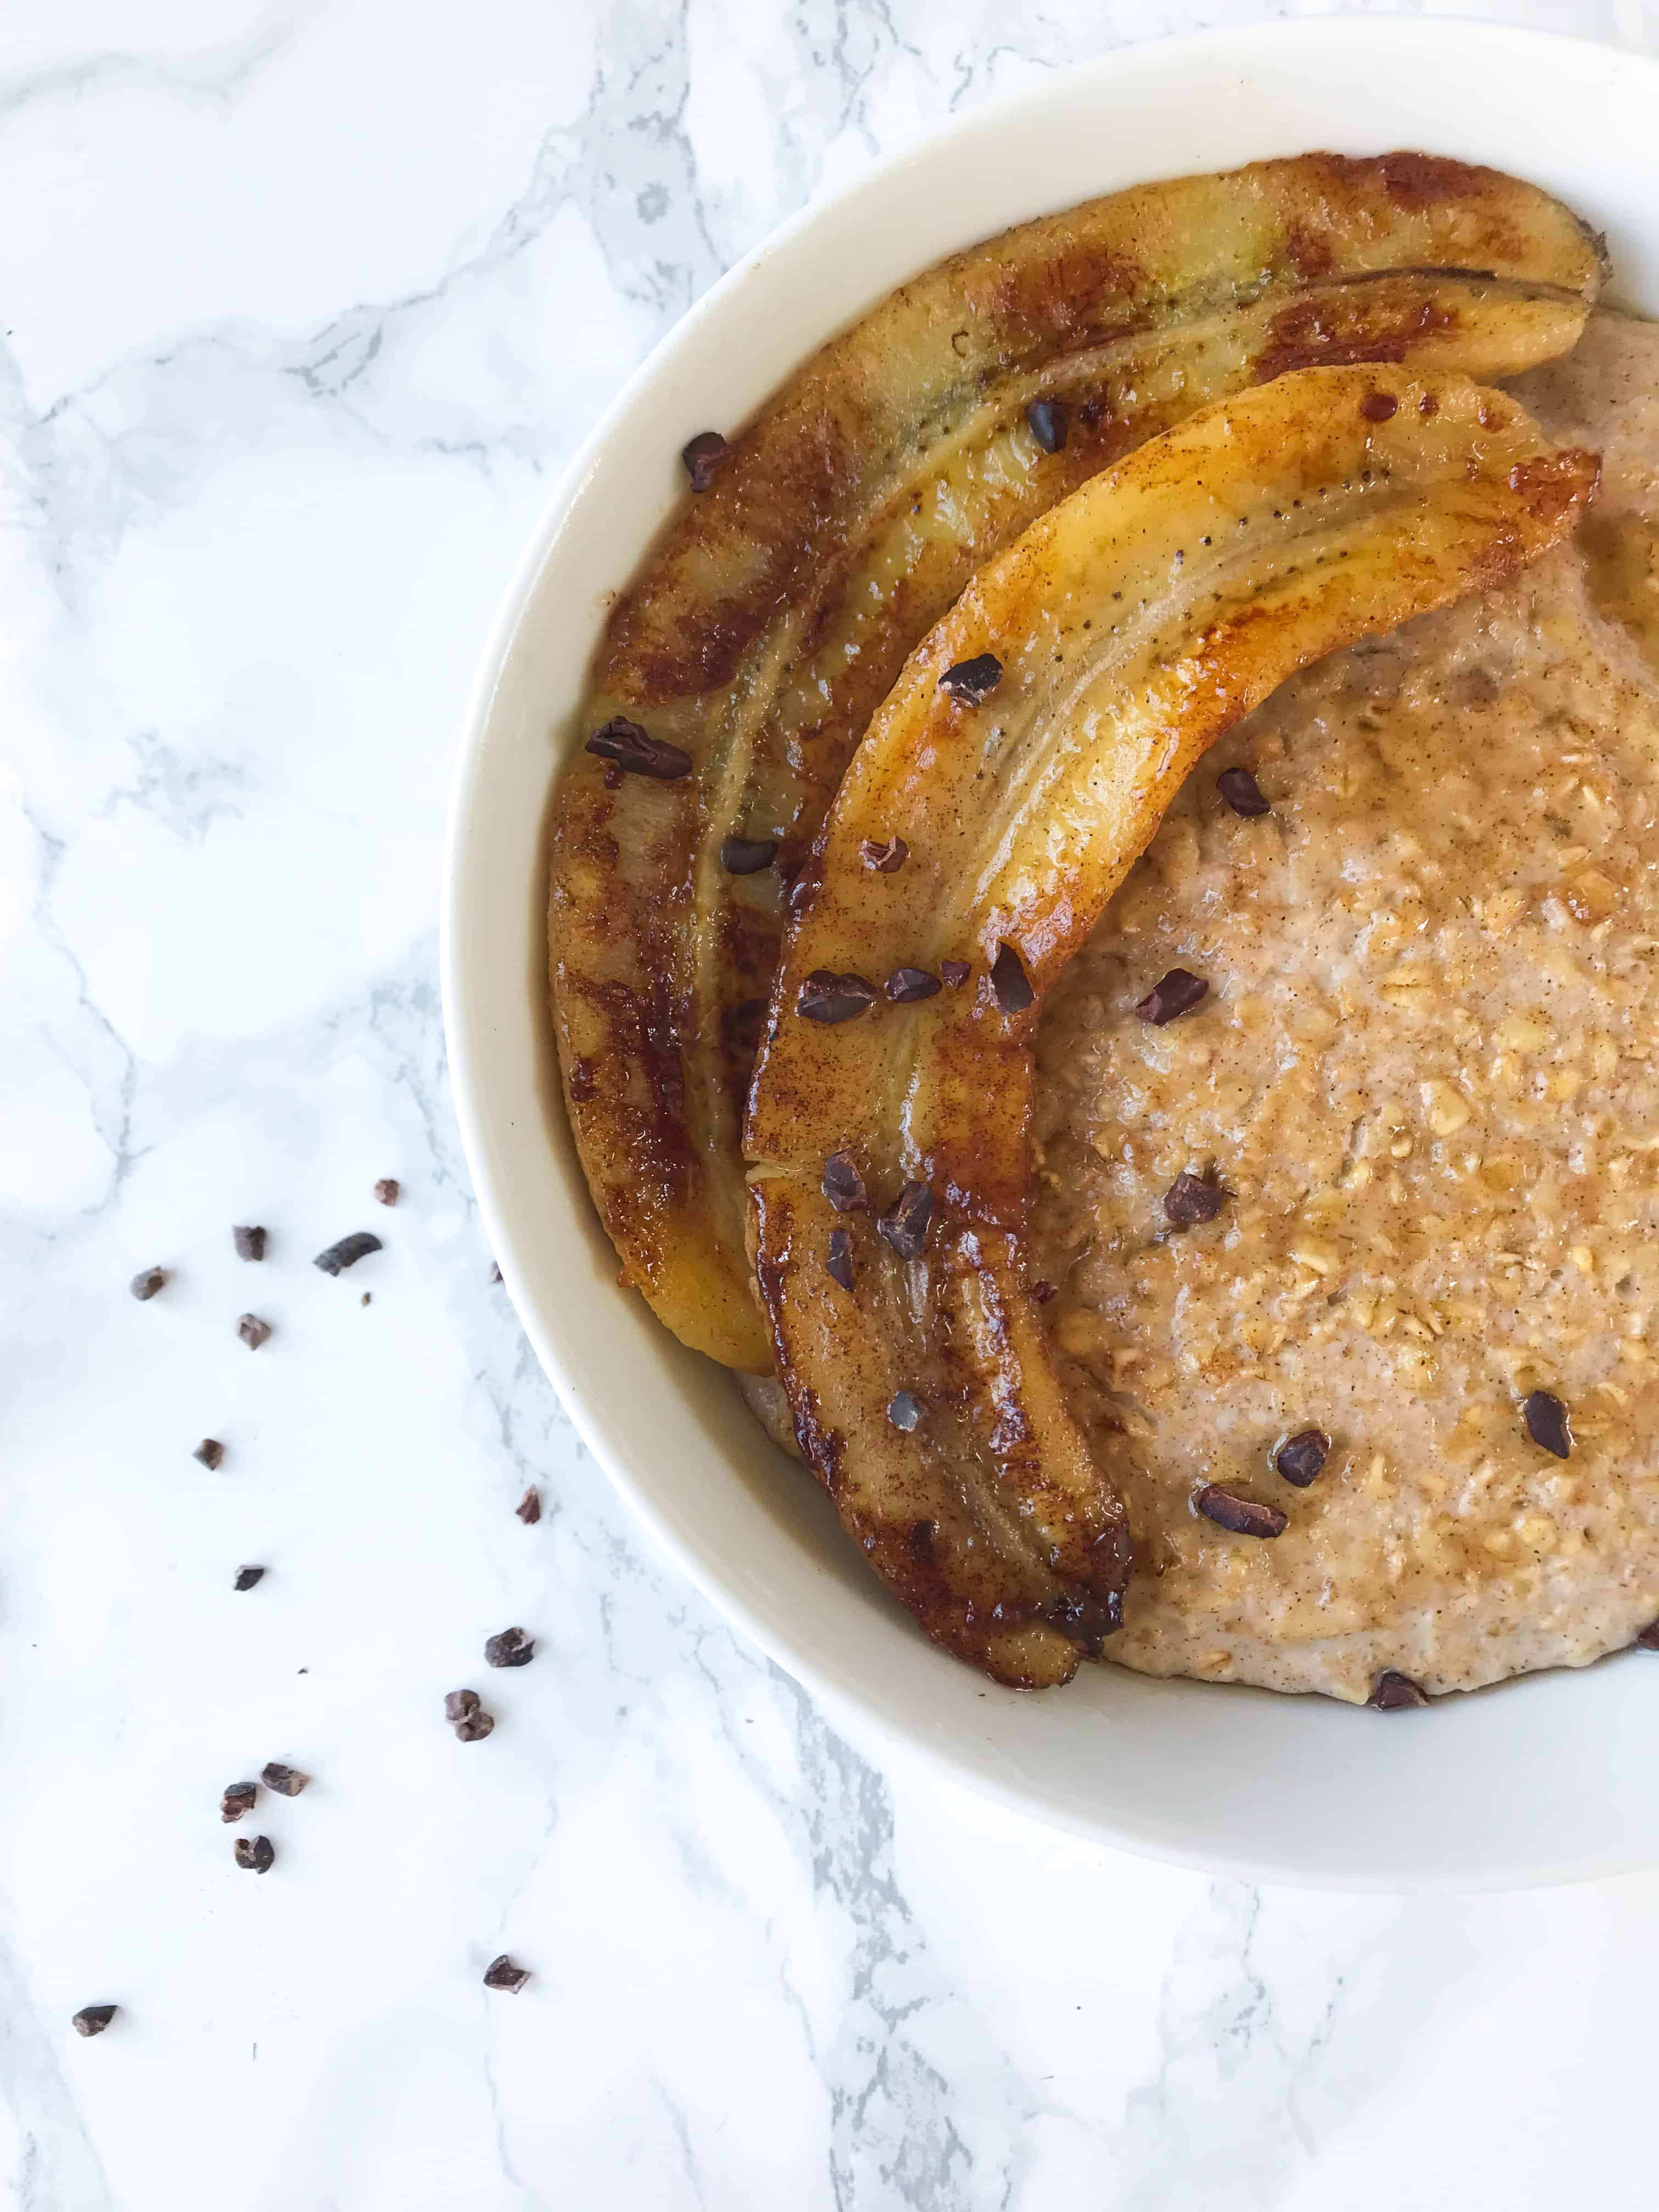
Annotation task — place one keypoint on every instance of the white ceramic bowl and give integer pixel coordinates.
(1543, 1780)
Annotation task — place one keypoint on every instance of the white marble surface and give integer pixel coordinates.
(305, 306)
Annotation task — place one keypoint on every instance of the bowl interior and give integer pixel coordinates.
(1533, 1781)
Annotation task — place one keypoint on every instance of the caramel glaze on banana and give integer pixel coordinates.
(778, 608)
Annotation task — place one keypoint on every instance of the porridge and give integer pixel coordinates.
(1421, 1097)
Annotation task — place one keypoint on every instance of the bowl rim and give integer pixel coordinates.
(482, 1116)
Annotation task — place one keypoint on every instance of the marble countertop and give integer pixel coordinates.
(305, 308)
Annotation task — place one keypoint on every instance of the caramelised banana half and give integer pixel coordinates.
(1022, 763)
(740, 670)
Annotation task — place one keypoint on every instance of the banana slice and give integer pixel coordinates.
(1024, 760)
(777, 611)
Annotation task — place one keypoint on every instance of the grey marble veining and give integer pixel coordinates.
(306, 308)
